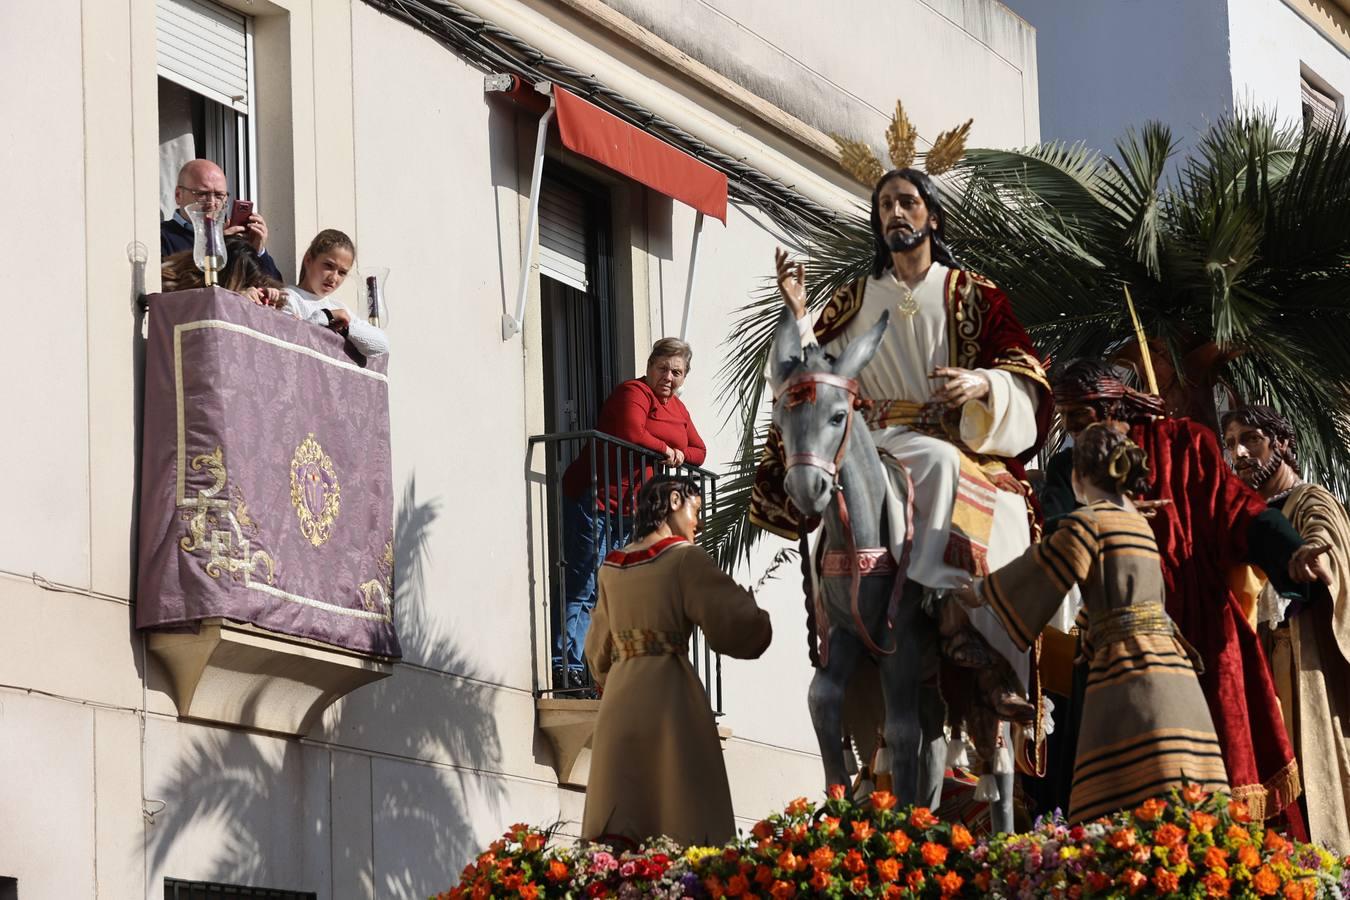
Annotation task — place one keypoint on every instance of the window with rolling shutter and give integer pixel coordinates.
(1320, 107)
(562, 234)
(204, 48)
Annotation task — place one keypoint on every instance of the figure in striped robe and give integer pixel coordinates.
(1146, 727)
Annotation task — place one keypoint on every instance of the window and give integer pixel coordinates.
(175, 889)
(9, 888)
(205, 66)
(1321, 104)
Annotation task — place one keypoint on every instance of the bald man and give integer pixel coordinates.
(204, 181)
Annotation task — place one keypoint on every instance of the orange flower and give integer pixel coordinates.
(862, 830)
(533, 842)
(822, 858)
(1179, 855)
(1134, 880)
(1168, 835)
(782, 890)
(933, 854)
(983, 880)
(1097, 881)
(480, 891)
(1276, 843)
(737, 885)
(951, 884)
(821, 880)
(715, 888)
(1166, 882)
(900, 842)
(893, 892)
(1216, 858)
(790, 862)
(557, 870)
(1124, 839)
(1203, 822)
(829, 825)
(1150, 810)
(837, 791)
(854, 862)
(922, 817)
(888, 869)
(763, 875)
(1239, 811)
(529, 891)
(798, 806)
(914, 879)
(1266, 882)
(860, 884)
(1237, 834)
(1249, 857)
(795, 834)
(762, 830)
(513, 881)
(1194, 794)
(1216, 885)
(1293, 891)
(962, 839)
(882, 800)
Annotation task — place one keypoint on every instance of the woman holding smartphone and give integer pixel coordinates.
(330, 257)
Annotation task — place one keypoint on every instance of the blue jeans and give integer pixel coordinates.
(588, 536)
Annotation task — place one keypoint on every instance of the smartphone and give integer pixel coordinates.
(239, 213)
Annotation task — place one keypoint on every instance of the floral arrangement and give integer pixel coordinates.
(1189, 845)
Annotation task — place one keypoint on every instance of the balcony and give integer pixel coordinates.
(566, 704)
(266, 513)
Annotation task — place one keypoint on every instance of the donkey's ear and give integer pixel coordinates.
(786, 352)
(859, 351)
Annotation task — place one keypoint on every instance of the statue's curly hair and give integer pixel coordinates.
(1110, 460)
(653, 501)
(1275, 426)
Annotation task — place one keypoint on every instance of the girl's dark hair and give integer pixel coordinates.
(1108, 459)
(241, 270)
(881, 253)
(653, 501)
(328, 239)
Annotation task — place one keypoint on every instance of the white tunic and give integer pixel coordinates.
(1002, 424)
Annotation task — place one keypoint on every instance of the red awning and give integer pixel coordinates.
(612, 142)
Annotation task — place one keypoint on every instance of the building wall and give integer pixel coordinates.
(1271, 44)
(404, 780)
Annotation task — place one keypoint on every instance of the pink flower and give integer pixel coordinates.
(603, 862)
(628, 869)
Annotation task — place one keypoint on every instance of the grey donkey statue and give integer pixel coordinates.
(869, 622)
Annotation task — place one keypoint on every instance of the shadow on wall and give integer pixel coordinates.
(280, 811)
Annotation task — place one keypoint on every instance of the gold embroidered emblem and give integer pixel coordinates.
(315, 492)
(377, 594)
(223, 526)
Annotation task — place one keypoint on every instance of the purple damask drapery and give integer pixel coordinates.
(266, 492)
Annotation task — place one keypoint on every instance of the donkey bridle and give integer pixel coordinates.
(800, 389)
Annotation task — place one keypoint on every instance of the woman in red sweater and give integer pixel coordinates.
(644, 411)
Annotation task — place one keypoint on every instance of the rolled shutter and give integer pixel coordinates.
(1319, 108)
(562, 234)
(204, 48)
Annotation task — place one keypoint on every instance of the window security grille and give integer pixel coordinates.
(177, 889)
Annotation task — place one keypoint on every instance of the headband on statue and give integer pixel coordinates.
(1133, 404)
(859, 161)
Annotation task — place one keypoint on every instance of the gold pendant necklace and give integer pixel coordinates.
(907, 306)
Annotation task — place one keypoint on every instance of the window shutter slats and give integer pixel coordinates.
(204, 48)
(562, 234)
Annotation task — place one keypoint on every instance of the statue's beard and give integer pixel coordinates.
(902, 239)
(1257, 476)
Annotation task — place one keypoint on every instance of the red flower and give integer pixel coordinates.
(513, 881)
(715, 888)
(1168, 835)
(914, 879)
(1077, 833)
(1149, 810)
(860, 884)
(737, 885)
(1166, 882)
(900, 842)
(854, 862)
(598, 889)
(1133, 880)
(762, 830)
(983, 880)
(1216, 885)
(922, 817)
(888, 869)
(782, 890)
(557, 870)
(820, 880)
(837, 792)
(822, 858)
(933, 854)
(763, 875)
(950, 884)
(1097, 881)
(529, 891)
(962, 839)
(893, 892)
(862, 830)
(882, 800)
(1265, 882)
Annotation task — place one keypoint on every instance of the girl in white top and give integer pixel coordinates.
(326, 263)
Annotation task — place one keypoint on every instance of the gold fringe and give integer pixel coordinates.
(858, 160)
(900, 137)
(1269, 799)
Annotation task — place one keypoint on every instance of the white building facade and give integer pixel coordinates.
(372, 117)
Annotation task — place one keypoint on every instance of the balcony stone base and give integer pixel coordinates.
(240, 675)
(569, 726)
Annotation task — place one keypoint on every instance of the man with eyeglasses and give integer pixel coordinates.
(203, 181)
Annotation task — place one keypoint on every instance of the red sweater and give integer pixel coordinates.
(632, 413)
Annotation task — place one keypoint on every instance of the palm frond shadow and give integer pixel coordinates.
(268, 795)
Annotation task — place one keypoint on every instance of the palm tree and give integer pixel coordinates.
(1238, 263)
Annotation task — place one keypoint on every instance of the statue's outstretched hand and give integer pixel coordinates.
(1149, 508)
(791, 282)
